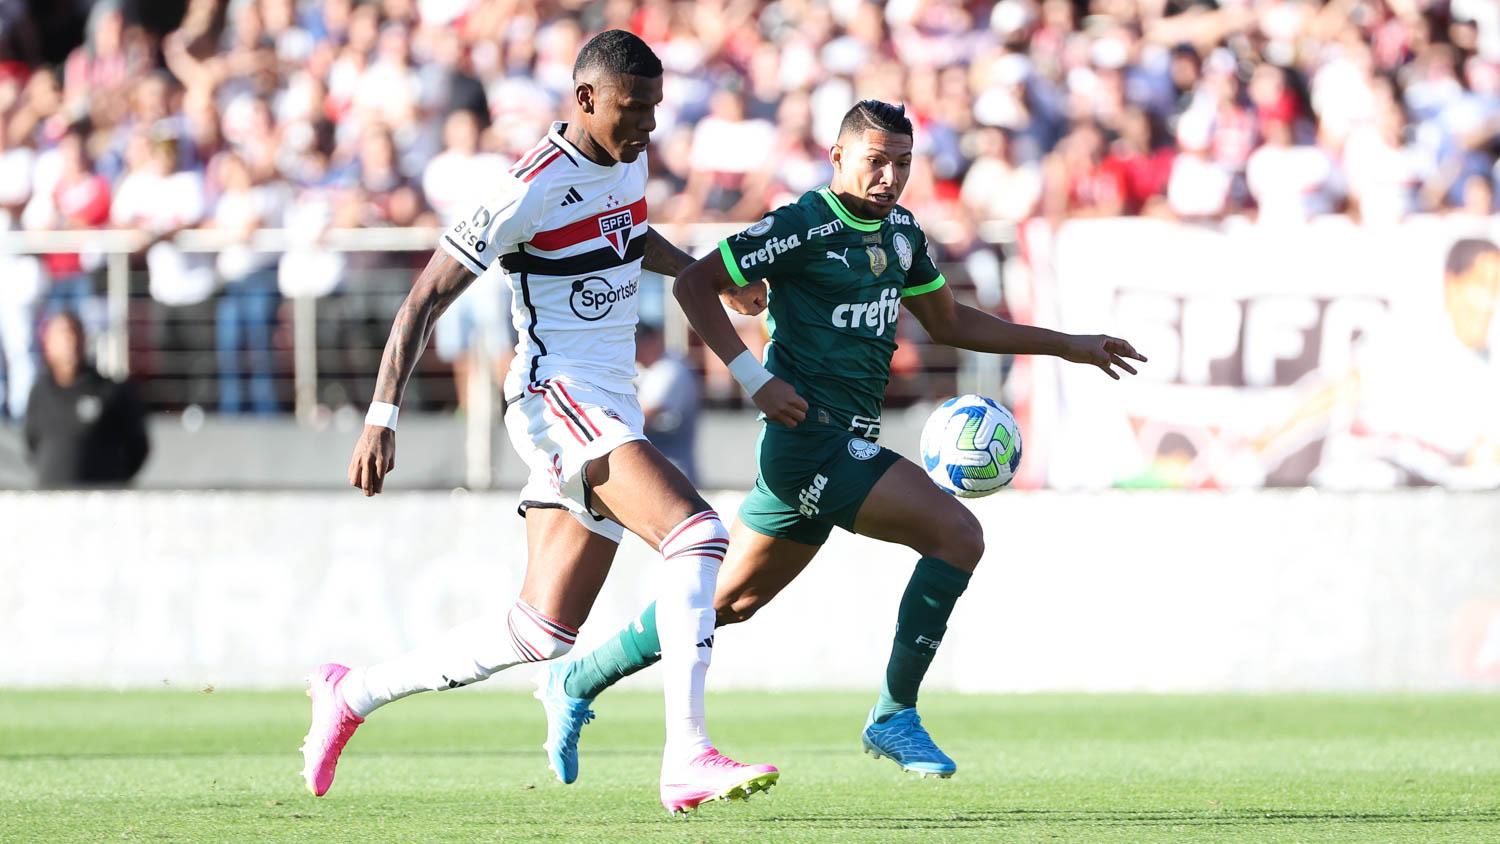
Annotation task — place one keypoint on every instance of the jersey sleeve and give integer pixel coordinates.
(769, 250)
(495, 226)
(923, 277)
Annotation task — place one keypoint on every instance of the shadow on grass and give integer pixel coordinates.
(508, 753)
(1144, 818)
(387, 752)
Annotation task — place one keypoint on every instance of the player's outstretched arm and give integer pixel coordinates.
(666, 259)
(439, 284)
(963, 327)
(662, 256)
(697, 290)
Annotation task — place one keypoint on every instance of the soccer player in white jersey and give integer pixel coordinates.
(567, 226)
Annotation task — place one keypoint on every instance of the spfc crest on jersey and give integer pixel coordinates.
(616, 229)
(878, 261)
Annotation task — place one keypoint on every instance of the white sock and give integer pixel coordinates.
(466, 654)
(693, 552)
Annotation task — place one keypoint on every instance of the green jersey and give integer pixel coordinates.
(835, 288)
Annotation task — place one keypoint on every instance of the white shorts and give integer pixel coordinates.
(557, 427)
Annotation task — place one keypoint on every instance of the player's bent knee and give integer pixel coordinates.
(537, 637)
(701, 534)
(960, 542)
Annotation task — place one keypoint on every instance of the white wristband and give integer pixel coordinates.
(382, 414)
(748, 371)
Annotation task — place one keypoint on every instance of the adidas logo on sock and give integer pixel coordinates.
(707, 643)
(572, 197)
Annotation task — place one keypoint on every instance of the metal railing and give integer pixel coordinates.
(113, 349)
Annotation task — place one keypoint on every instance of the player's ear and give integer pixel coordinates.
(836, 155)
(583, 93)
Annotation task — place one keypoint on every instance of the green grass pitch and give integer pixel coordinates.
(466, 766)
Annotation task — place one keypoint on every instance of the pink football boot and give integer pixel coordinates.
(333, 722)
(712, 776)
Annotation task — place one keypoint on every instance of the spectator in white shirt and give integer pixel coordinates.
(453, 181)
(157, 199)
(246, 310)
(1382, 174)
(1290, 183)
(668, 391)
(1199, 186)
(456, 177)
(996, 186)
(390, 89)
(727, 148)
(22, 286)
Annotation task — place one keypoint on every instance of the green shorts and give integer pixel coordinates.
(812, 477)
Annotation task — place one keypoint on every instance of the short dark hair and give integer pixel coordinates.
(1463, 254)
(618, 52)
(877, 115)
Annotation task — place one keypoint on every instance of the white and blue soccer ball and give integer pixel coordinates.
(971, 446)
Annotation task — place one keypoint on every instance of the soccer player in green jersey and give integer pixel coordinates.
(840, 262)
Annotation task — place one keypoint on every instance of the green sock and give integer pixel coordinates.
(928, 601)
(633, 648)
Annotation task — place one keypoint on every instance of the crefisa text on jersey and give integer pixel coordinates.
(767, 254)
(877, 315)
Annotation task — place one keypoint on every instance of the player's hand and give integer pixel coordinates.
(1102, 351)
(749, 300)
(374, 458)
(780, 403)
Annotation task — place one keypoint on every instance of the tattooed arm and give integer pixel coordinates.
(436, 288)
(662, 257)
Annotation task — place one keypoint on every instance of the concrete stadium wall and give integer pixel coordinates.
(278, 453)
(1078, 591)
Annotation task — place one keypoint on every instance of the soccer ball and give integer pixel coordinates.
(971, 446)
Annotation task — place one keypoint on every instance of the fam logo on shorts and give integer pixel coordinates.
(593, 298)
(616, 229)
(861, 449)
(903, 251)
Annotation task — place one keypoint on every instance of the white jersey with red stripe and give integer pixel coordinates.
(569, 235)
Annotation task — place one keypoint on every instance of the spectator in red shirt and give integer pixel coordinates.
(1139, 162)
(1076, 184)
(78, 201)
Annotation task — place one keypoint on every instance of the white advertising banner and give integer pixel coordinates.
(1329, 354)
(1107, 591)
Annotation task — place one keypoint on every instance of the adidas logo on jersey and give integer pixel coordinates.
(572, 197)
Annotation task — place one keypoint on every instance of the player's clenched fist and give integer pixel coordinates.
(780, 403)
(749, 300)
(374, 458)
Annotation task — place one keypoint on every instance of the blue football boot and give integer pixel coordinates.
(565, 719)
(903, 740)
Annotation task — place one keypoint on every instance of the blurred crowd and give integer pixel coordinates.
(309, 114)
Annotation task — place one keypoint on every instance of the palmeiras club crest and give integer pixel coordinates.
(616, 229)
